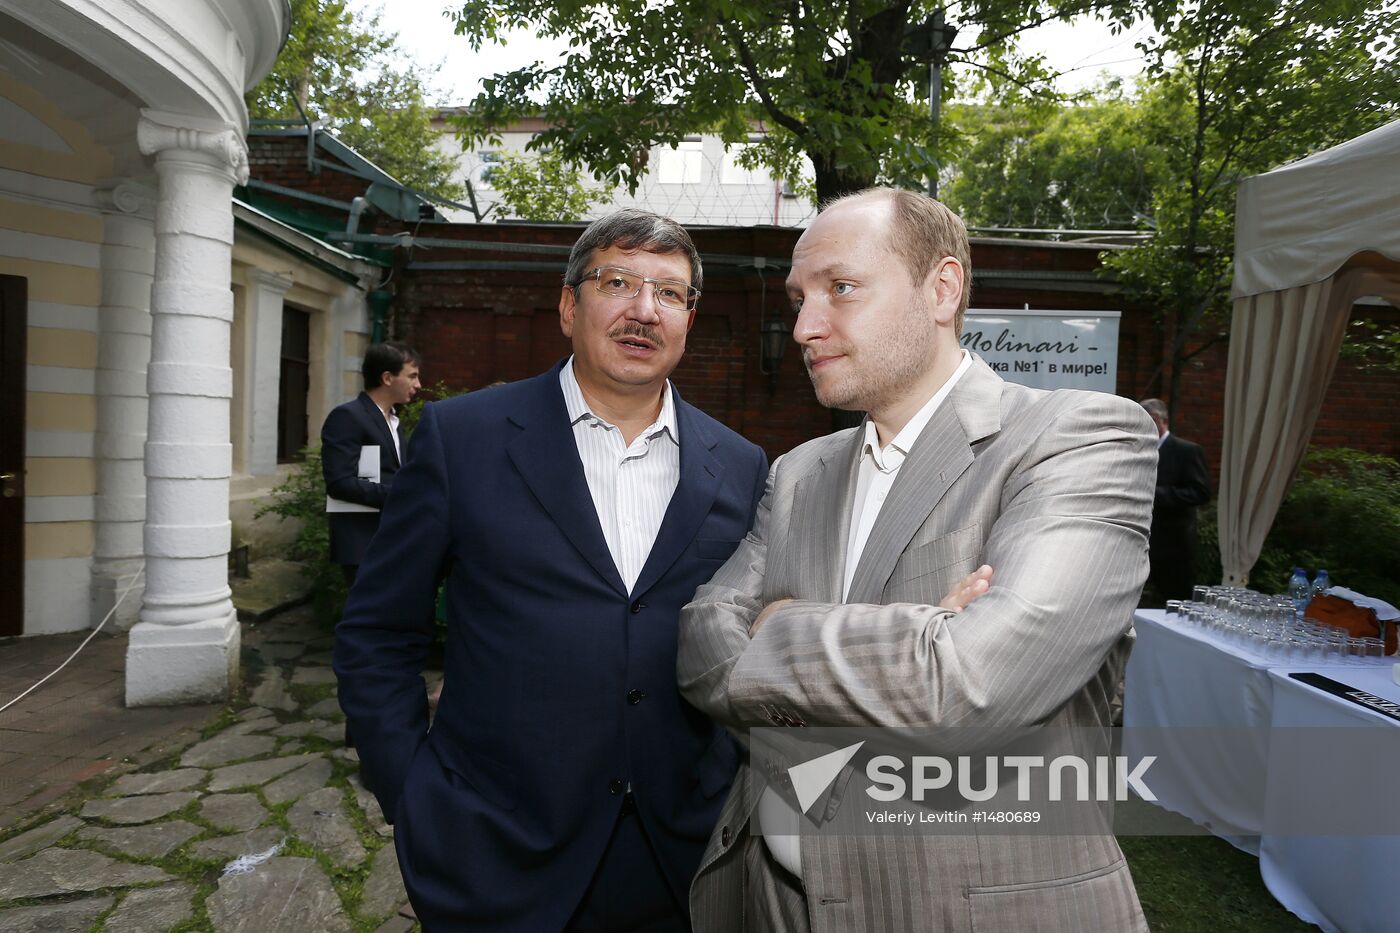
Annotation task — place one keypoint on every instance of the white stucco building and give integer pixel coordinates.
(148, 323)
(699, 181)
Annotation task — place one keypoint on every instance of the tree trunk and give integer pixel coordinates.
(833, 182)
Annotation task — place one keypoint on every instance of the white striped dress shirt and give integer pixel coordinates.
(631, 485)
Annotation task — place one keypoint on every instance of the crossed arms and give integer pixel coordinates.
(1069, 544)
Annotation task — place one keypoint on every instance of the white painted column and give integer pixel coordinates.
(185, 648)
(264, 309)
(123, 351)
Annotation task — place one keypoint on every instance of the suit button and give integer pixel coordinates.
(616, 787)
(635, 696)
(725, 837)
(638, 606)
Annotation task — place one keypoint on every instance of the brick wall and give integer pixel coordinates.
(474, 327)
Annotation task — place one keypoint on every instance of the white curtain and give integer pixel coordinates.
(1283, 351)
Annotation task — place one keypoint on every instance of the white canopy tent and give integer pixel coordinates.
(1310, 239)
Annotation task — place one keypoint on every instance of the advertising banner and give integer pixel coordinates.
(1047, 349)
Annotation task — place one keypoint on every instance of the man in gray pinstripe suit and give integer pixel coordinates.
(828, 614)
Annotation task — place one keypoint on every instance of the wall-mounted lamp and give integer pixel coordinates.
(773, 340)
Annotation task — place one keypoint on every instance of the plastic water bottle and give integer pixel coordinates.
(1299, 591)
(1321, 582)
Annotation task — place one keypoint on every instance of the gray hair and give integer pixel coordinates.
(1156, 408)
(632, 229)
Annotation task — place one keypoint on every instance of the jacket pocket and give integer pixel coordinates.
(956, 548)
(1102, 899)
(490, 779)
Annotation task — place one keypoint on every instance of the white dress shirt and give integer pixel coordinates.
(631, 484)
(879, 468)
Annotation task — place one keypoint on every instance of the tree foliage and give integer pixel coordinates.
(1237, 88)
(342, 68)
(543, 187)
(844, 85)
(1078, 165)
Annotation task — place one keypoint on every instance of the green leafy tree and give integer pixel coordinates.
(843, 84)
(1079, 164)
(342, 68)
(1236, 88)
(543, 187)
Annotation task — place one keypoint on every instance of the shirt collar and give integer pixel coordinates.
(1163, 439)
(577, 405)
(893, 456)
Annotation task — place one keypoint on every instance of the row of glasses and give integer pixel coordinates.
(1270, 626)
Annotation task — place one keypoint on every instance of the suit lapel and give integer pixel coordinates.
(939, 456)
(545, 455)
(822, 520)
(699, 483)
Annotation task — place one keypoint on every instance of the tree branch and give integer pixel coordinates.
(783, 119)
(1039, 91)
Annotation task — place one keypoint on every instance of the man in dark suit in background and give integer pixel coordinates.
(1182, 484)
(366, 422)
(565, 784)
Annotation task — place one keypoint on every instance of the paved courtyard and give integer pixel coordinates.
(247, 818)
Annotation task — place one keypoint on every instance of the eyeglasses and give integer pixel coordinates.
(623, 283)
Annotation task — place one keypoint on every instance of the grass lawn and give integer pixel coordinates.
(1189, 883)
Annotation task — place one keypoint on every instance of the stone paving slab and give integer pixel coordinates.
(335, 732)
(54, 918)
(272, 693)
(311, 676)
(251, 726)
(159, 782)
(282, 895)
(226, 748)
(255, 772)
(236, 812)
(147, 910)
(304, 780)
(132, 810)
(231, 847)
(27, 843)
(369, 806)
(328, 708)
(319, 820)
(155, 841)
(254, 712)
(278, 651)
(71, 871)
(383, 890)
(295, 730)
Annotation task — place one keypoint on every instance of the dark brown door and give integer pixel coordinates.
(294, 384)
(13, 315)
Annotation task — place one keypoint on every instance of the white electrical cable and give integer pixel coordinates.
(132, 582)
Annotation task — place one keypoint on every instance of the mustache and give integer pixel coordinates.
(637, 329)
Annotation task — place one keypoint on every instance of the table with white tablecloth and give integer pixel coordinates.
(1210, 707)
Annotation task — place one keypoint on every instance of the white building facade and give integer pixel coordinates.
(698, 181)
(148, 320)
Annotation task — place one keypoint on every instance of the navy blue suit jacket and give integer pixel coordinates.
(560, 686)
(355, 424)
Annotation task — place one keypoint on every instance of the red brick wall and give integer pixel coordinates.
(476, 327)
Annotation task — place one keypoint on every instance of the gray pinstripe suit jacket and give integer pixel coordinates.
(1054, 490)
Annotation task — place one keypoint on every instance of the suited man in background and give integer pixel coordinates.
(832, 612)
(391, 378)
(1182, 484)
(565, 784)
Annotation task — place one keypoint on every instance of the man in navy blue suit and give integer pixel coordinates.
(366, 422)
(565, 784)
